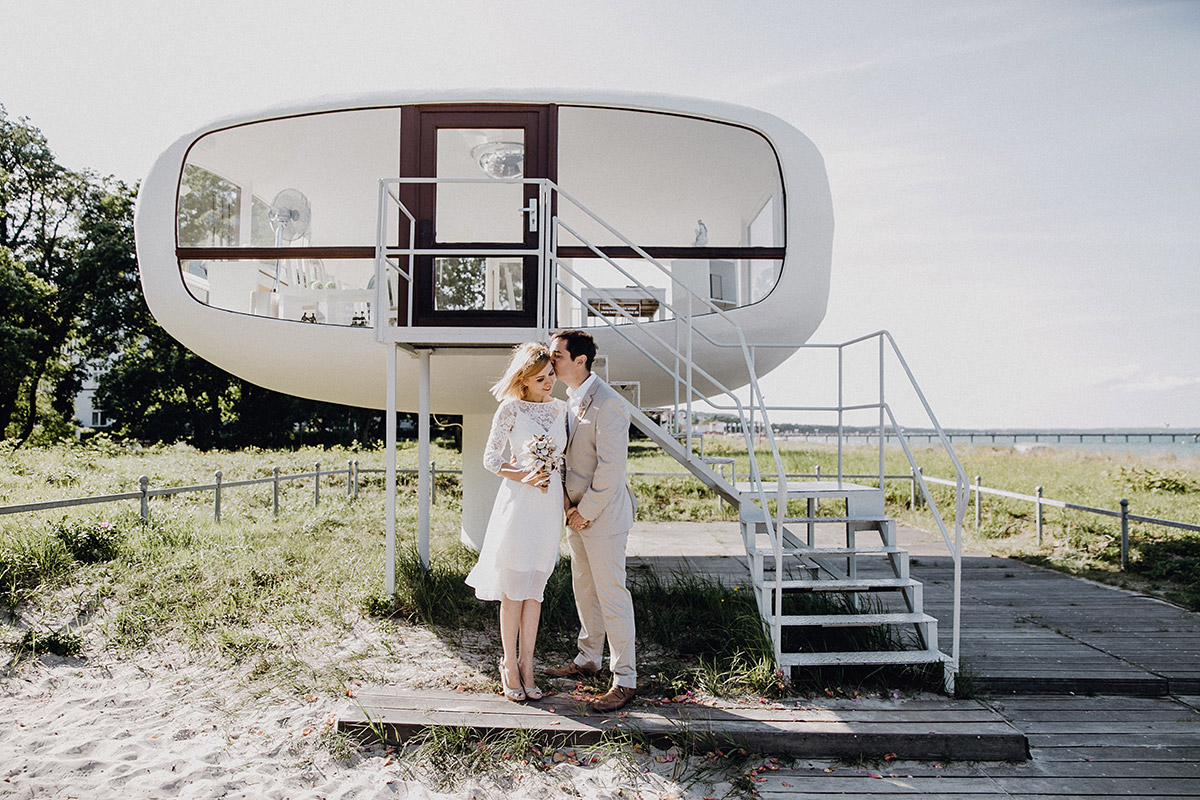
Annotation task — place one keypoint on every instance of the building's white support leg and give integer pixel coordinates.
(390, 480)
(423, 476)
(479, 486)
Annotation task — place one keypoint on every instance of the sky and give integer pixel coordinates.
(1016, 185)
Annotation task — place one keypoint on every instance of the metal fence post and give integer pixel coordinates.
(275, 490)
(355, 495)
(1124, 534)
(144, 484)
(217, 498)
(432, 482)
(978, 502)
(920, 476)
(1037, 504)
(912, 489)
(349, 476)
(317, 484)
(816, 504)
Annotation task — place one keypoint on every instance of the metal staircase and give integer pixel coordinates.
(810, 571)
(823, 556)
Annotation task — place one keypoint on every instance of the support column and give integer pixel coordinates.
(479, 486)
(423, 476)
(389, 568)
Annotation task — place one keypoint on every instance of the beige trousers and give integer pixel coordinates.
(604, 603)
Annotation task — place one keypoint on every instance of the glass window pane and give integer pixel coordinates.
(334, 160)
(459, 284)
(209, 209)
(667, 180)
(334, 292)
(478, 284)
(480, 212)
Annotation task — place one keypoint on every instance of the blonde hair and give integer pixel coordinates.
(527, 360)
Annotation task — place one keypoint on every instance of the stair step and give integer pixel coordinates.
(855, 620)
(802, 489)
(861, 585)
(818, 552)
(865, 657)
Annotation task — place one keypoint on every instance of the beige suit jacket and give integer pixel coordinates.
(597, 449)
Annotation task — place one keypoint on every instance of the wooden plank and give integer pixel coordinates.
(1102, 739)
(977, 735)
(1116, 752)
(884, 785)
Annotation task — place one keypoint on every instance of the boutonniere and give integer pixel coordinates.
(579, 412)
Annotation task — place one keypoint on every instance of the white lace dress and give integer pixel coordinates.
(520, 547)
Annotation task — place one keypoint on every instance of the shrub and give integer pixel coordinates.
(89, 541)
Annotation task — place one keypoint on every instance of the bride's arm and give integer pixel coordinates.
(493, 453)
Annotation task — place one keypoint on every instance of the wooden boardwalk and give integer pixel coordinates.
(1100, 687)
(925, 728)
(1081, 747)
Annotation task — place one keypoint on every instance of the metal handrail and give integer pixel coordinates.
(547, 251)
(962, 493)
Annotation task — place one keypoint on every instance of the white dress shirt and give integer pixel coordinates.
(575, 397)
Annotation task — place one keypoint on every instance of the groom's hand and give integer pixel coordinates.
(576, 520)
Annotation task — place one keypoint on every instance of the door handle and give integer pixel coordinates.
(532, 211)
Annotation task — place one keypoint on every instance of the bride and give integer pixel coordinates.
(520, 547)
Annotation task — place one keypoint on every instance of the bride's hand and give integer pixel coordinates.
(539, 479)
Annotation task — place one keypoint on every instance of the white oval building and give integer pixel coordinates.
(300, 246)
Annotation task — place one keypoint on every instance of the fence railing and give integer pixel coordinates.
(352, 472)
(1041, 502)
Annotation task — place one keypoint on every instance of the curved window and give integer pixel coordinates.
(704, 198)
(279, 217)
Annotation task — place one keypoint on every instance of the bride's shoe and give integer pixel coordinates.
(516, 695)
(532, 692)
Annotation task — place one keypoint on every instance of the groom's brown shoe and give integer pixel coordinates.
(614, 698)
(572, 670)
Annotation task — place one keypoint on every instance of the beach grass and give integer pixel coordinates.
(242, 591)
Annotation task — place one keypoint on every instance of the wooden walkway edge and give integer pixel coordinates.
(911, 729)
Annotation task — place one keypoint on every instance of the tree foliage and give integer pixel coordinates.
(71, 302)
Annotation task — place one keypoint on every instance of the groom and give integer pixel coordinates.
(599, 513)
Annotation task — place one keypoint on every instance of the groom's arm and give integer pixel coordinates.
(612, 448)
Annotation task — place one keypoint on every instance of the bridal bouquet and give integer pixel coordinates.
(541, 456)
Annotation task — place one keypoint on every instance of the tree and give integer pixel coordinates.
(39, 205)
(71, 301)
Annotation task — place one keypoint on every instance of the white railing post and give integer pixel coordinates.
(881, 406)
(389, 527)
(841, 410)
(423, 482)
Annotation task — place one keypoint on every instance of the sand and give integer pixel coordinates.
(170, 724)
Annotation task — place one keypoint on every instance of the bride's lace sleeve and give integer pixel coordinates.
(502, 425)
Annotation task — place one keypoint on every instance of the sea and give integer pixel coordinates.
(1182, 443)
